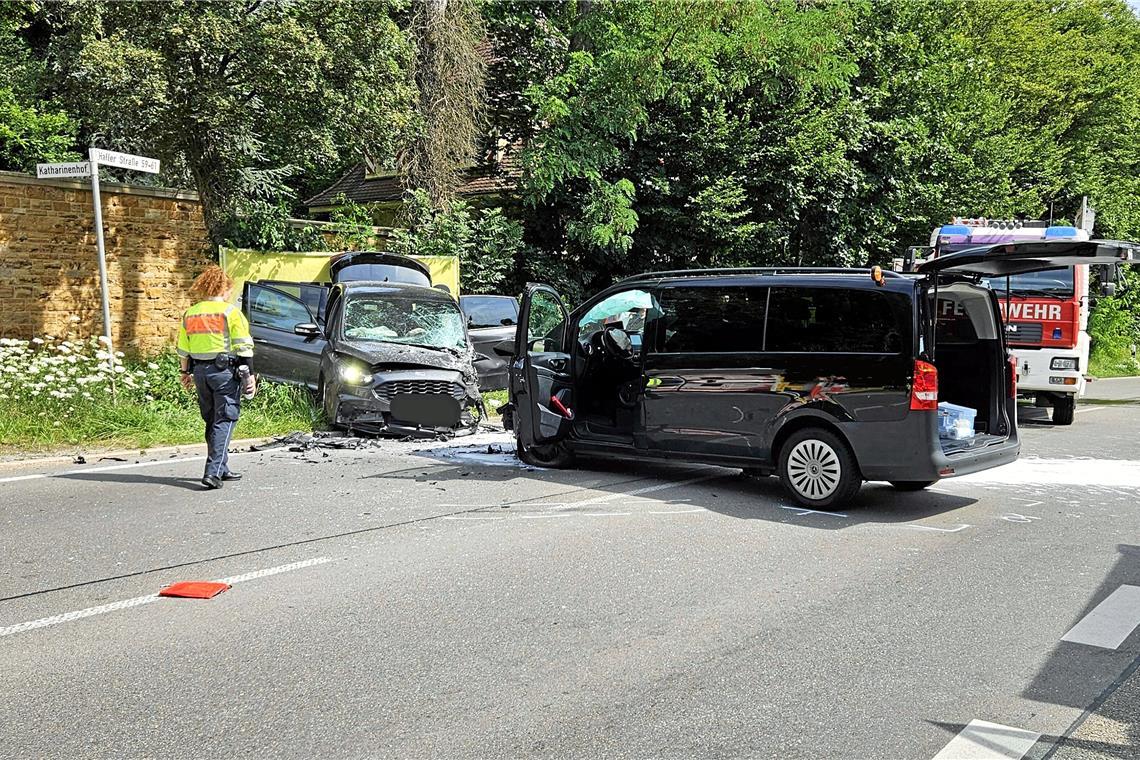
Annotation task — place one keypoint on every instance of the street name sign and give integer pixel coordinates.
(70, 169)
(125, 160)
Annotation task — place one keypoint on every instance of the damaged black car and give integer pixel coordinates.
(382, 357)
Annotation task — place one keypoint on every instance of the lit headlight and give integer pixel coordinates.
(1065, 362)
(354, 374)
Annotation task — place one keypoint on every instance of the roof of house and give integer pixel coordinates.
(357, 186)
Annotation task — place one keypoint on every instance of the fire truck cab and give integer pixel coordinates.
(1044, 301)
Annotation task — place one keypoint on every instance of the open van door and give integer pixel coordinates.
(1005, 259)
(541, 383)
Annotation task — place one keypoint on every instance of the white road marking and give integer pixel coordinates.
(1110, 622)
(1122, 473)
(1086, 409)
(610, 514)
(981, 740)
(635, 492)
(1014, 517)
(805, 511)
(275, 570)
(137, 601)
(475, 517)
(540, 517)
(940, 530)
(677, 511)
(107, 468)
(67, 617)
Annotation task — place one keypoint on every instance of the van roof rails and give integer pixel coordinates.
(754, 270)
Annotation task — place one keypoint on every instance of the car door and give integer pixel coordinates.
(314, 296)
(280, 353)
(490, 321)
(541, 384)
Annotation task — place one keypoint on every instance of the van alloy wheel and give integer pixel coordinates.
(818, 469)
(814, 469)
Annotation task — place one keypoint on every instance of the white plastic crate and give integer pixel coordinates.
(955, 422)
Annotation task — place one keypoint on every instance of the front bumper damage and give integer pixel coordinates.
(427, 403)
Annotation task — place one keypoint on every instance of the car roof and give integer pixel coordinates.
(400, 289)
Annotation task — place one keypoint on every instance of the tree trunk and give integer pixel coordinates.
(449, 79)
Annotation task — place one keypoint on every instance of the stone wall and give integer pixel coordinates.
(156, 244)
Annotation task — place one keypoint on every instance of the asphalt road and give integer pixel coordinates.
(448, 602)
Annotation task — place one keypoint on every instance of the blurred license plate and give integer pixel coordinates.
(426, 409)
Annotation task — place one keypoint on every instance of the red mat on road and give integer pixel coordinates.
(194, 589)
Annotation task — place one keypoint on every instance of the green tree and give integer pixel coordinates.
(245, 101)
(32, 129)
(449, 72)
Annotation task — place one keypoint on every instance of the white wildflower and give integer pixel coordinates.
(38, 341)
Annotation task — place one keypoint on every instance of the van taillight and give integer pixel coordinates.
(1012, 368)
(924, 391)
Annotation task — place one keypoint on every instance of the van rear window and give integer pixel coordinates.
(836, 320)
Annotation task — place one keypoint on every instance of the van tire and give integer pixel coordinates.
(553, 455)
(1064, 409)
(821, 463)
(912, 485)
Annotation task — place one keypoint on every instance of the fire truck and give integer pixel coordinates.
(1046, 312)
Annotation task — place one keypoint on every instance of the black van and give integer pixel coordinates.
(826, 377)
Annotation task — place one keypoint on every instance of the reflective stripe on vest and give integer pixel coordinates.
(209, 324)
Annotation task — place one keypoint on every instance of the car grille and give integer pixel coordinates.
(1025, 332)
(385, 391)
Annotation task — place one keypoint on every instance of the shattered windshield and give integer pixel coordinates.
(392, 319)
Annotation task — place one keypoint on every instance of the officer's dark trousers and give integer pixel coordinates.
(219, 399)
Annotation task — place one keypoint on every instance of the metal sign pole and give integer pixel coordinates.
(103, 286)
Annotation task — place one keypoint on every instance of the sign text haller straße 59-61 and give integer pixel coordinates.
(125, 160)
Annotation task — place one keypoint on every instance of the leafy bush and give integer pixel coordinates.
(1114, 327)
(28, 136)
(485, 240)
(56, 392)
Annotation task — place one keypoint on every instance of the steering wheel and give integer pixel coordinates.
(618, 343)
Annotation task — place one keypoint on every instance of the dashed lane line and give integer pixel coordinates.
(138, 601)
(981, 740)
(1109, 623)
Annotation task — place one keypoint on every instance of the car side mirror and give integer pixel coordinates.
(504, 348)
(507, 322)
(1107, 289)
(308, 330)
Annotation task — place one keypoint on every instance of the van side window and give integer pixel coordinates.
(712, 320)
(836, 320)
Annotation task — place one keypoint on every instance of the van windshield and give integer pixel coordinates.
(430, 323)
(1048, 283)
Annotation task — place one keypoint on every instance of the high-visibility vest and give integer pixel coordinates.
(210, 328)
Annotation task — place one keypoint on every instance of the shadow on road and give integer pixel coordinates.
(190, 484)
(726, 492)
(1085, 676)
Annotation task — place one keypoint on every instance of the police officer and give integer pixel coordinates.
(213, 344)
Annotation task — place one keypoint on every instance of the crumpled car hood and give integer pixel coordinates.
(373, 352)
